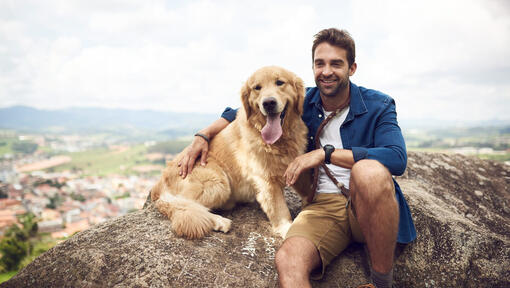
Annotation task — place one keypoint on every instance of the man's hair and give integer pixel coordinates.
(338, 38)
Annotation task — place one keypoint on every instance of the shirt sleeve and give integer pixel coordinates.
(389, 146)
(229, 114)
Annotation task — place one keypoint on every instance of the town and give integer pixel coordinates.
(69, 199)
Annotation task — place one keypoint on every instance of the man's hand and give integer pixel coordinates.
(190, 154)
(309, 160)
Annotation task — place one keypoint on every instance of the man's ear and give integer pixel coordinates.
(245, 95)
(300, 90)
(353, 68)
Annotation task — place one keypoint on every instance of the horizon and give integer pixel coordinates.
(406, 124)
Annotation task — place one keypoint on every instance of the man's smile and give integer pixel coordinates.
(327, 82)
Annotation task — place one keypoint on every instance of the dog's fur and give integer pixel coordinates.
(241, 166)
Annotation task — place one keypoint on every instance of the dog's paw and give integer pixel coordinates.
(282, 229)
(222, 224)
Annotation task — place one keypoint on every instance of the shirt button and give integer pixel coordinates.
(311, 137)
(320, 115)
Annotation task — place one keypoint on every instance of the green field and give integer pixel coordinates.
(103, 161)
(499, 158)
(495, 157)
(5, 145)
(41, 243)
(6, 276)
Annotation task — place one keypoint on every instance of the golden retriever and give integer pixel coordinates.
(246, 160)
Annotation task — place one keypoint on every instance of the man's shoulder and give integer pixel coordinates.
(373, 95)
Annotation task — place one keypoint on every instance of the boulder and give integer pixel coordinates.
(460, 206)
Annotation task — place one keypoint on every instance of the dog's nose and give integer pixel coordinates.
(269, 104)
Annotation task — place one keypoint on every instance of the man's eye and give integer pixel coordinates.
(279, 82)
(257, 87)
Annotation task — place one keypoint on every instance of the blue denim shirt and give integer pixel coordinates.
(371, 131)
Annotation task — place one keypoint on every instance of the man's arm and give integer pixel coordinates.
(199, 145)
(340, 157)
(389, 145)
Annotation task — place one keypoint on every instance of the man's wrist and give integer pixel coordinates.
(205, 132)
(203, 136)
(328, 151)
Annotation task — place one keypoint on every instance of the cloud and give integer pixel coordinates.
(435, 59)
(439, 59)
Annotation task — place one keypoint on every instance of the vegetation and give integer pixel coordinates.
(104, 161)
(21, 245)
(24, 147)
(495, 157)
(78, 197)
(55, 201)
(6, 145)
(168, 147)
(16, 244)
(7, 275)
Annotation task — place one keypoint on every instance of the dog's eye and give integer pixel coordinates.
(257, 87)
(279, 82)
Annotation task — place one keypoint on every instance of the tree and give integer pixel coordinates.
(16, 244)
(24, 147)
(55, 201)
(13, 251)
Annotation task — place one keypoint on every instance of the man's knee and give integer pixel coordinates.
(296, 255)
(371, 180)
(281, 258)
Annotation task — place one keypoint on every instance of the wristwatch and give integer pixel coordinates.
(328, 149)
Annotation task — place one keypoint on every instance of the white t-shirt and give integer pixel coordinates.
(331, 135)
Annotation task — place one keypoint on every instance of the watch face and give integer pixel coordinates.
(328, 150)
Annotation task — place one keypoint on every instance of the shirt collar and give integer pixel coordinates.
(357, 105)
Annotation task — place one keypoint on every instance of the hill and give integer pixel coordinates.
(93, 120)
(459, 205)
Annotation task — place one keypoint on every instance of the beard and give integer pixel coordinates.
(332, 90)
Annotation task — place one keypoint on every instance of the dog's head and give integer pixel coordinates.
(271, 95)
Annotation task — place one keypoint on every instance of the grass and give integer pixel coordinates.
(496, 157)
(102, 162)
(7, 275)
(499, 158)
(428, 149)
(41, 244)
(5, 145)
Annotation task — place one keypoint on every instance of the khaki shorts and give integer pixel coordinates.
(329, 224)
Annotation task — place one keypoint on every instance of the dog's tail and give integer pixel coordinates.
(189, 218)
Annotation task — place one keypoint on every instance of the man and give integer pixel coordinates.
(368, 150)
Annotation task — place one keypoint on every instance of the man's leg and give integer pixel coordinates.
(373, 198)
(295, 260)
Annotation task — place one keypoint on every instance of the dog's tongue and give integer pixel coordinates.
(272, 131)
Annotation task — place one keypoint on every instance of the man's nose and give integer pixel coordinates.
(327, 71)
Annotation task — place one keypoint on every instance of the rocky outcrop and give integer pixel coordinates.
(461, 211)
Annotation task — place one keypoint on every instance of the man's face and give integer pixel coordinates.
(331, 69)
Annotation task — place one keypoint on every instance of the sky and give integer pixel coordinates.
(439, 59)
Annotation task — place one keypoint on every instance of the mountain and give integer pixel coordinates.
(28, 119)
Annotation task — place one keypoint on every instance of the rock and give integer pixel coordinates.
(140, 250)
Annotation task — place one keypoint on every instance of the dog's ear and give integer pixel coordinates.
(299, 85)
(245, 95)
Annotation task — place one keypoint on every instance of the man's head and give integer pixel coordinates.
(338, 38)
(333, 61)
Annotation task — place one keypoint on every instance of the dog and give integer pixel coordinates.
(246, 160)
